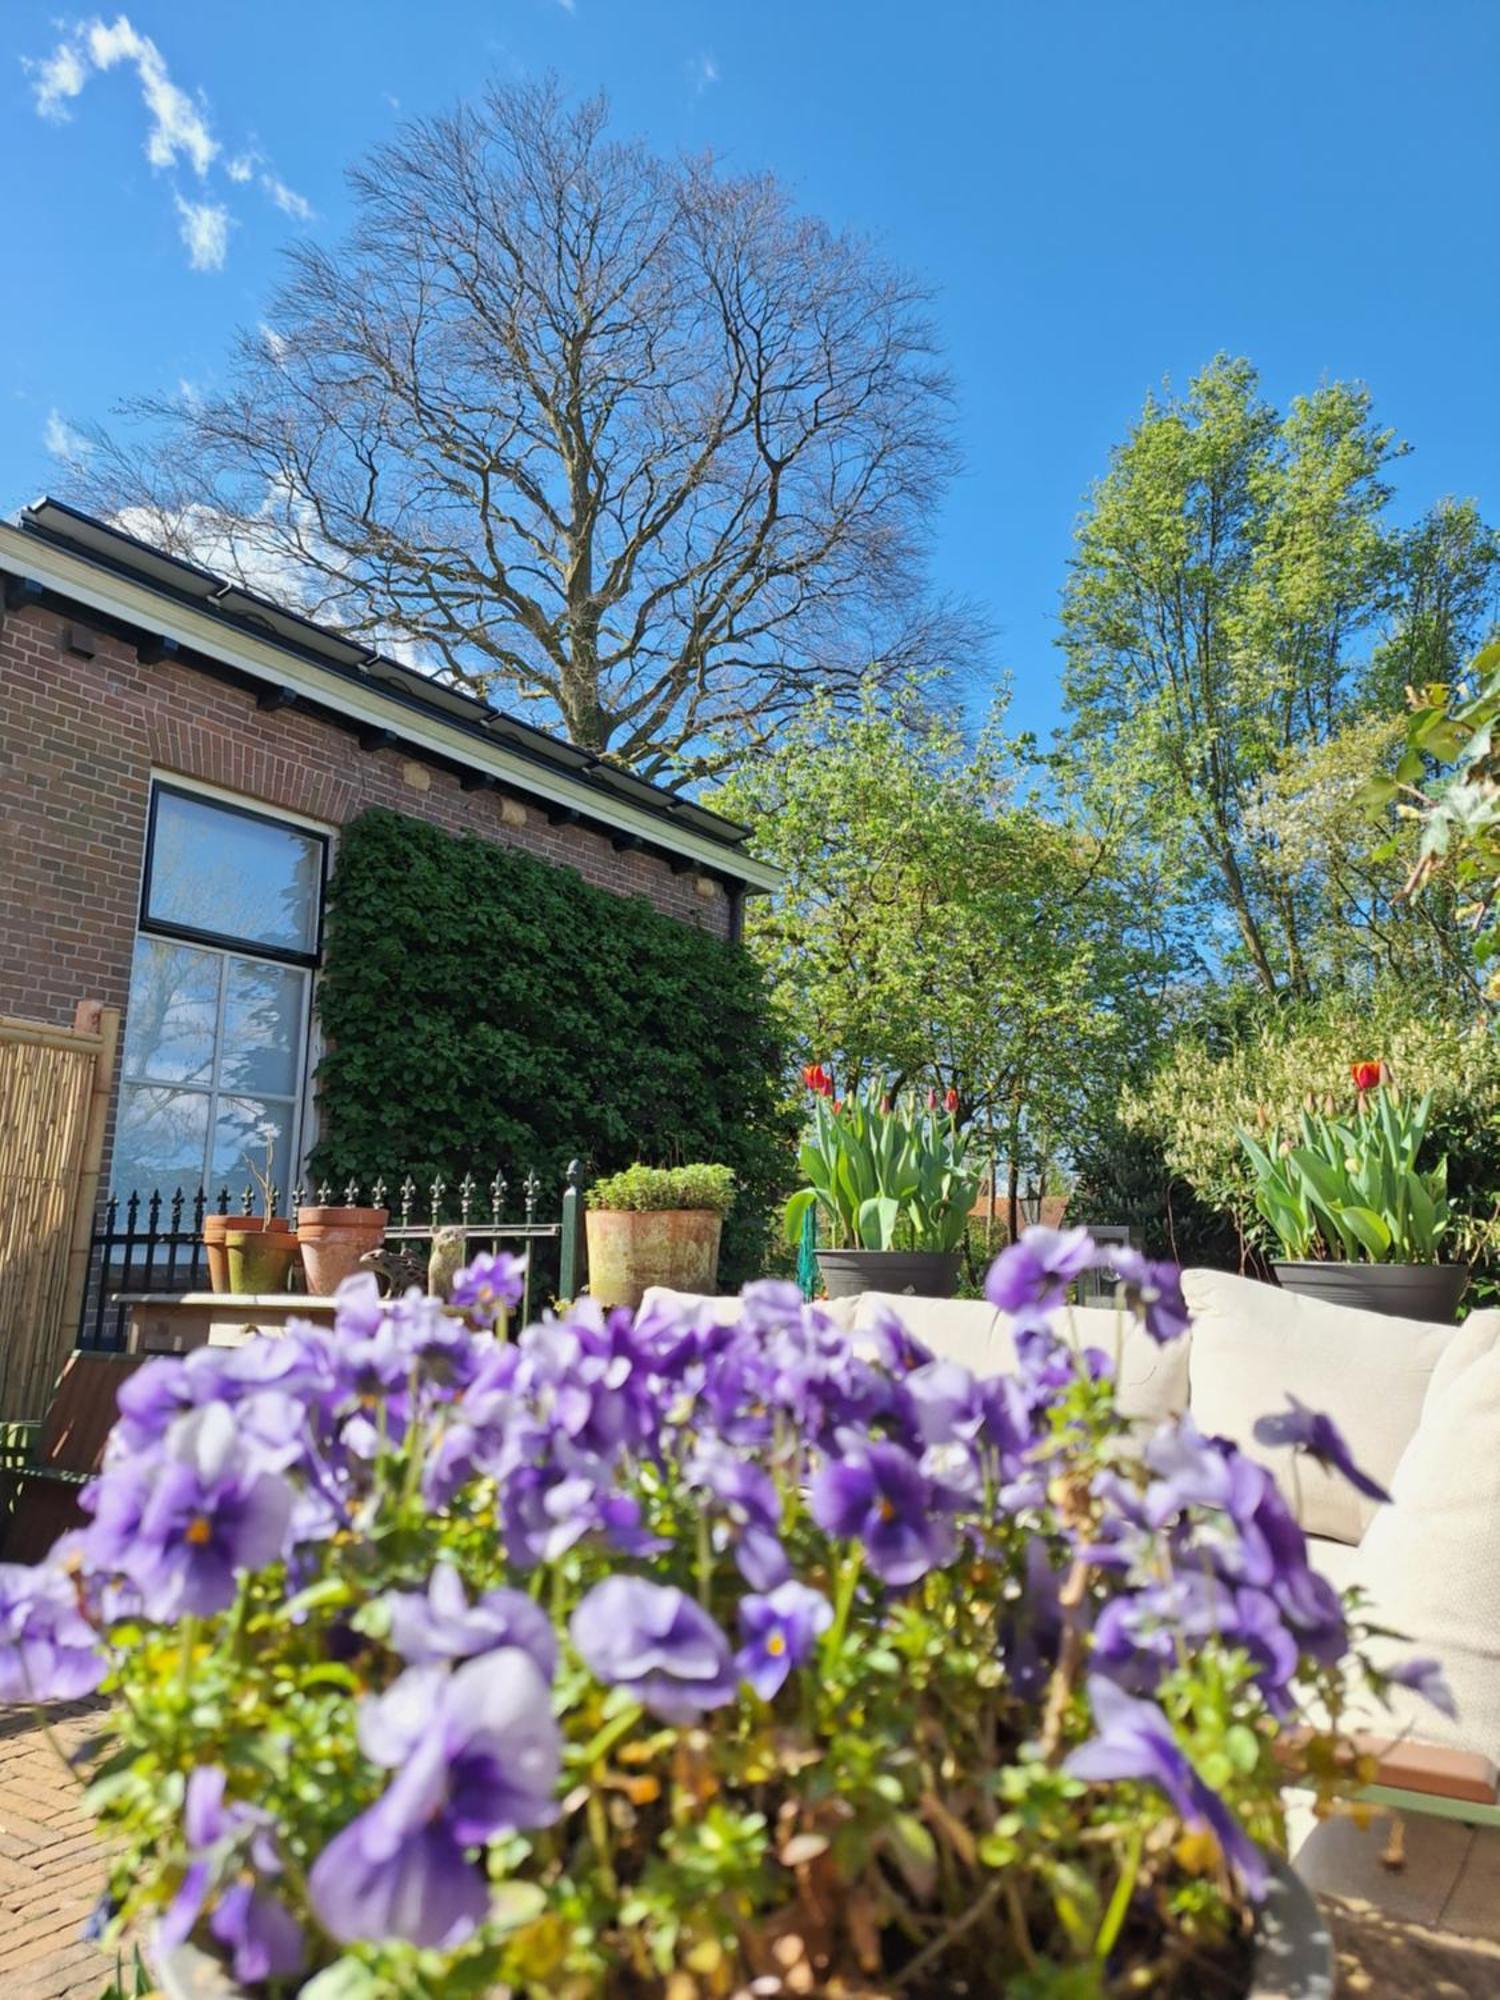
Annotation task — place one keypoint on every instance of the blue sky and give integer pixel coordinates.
(1102, 193)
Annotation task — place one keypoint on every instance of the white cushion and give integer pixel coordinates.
(1153, 1380)
(725, 1309)
(1431, 1561)
(1254, 1344)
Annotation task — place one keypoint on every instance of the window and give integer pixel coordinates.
(220, 991)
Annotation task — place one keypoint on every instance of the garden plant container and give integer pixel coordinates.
(1293, 1953)
(333, 1241)
(924, 1274)
(1428, 1292)
(631, 1249)
(217, 1227)
(260, 1260)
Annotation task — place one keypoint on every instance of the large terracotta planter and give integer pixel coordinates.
(631, 1249)
(260, 1260)
(217, 1227)
(923, 1274)
(333, 1241)
(1429, 1292)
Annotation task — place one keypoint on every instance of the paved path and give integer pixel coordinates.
(52, 1862)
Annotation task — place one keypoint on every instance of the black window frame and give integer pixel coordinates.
(228, 940)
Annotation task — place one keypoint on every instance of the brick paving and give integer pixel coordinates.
(52, 1862)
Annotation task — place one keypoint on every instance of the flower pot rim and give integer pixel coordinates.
(716, 1213)
(1370, 1264)
(340, 1215)
(221, 1224)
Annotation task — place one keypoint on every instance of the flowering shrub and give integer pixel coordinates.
(887, 1172)
(674, 1657)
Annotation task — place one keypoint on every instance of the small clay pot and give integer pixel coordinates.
(217, 1227)
(260, 1260)
(333, 1241)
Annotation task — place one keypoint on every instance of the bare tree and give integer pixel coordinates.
(627, 440)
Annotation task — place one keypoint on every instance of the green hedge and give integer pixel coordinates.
(483, 1008)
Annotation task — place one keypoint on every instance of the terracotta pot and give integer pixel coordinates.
(1429, 1292)
(333, 1241)
(260, 1260)
(217, 1227)
(924, 1274)
(630, 1249)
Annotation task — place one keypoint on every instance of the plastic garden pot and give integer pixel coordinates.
(260, 1260)
(217, 1227)
(924, 1274)
(333, 1241)
(1429, 1292)
(631, 1249)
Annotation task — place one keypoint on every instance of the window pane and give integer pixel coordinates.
(262, 1026)
(160, 1141)
(244, 878)
(173, 1012)
(239, 1141)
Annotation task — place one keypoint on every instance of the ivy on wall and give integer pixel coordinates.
(484, 1009)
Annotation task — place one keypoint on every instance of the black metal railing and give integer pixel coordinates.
(153, 1242)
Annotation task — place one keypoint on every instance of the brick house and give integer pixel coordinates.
(177, 756)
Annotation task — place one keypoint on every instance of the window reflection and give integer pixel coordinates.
(216, 870)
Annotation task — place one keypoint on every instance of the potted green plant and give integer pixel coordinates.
(335, 1236)
(256, 1252)
(1359, 1222)
(892, 1179)
(694, 1656)
(656, 1226)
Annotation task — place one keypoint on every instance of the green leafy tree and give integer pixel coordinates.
(1237, 601)
(938, 927)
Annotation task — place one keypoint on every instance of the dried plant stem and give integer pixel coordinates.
(965, 1921)
(1069, 1660)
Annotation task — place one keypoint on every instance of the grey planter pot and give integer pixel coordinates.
(1293, 1953)
(925, 1274)
(1428, 1292)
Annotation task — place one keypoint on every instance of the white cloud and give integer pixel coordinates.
(60, 77)
(241, 168)
(276, 343)
(62, 441)
(702, 71)
(204, 228)
(287, 199)
(178, 125)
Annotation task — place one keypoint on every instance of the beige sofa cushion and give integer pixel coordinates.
(1153, 1381)
(1254, 1344)
(726, 1307)
(1431, 1561)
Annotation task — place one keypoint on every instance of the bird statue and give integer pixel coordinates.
(449, 1255)
(397, 1268)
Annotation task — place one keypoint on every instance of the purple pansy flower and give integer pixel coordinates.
(653, 1639)
(48, 1651)
(1031, 1277)
(1153, 1292)
(182, 1522)
(476, 1752)
(1426, 1678)
(1135, 1740)
(252, 1923)
(441, 1624)
(1310, 1431)
(747, 1514)
(490, 1286)
(878, 1494)
(780, 1630)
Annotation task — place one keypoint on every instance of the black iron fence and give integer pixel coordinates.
(153, 1242)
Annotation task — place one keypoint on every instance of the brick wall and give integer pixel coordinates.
(78, 741)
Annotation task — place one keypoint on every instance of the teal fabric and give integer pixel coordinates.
(807, 1255)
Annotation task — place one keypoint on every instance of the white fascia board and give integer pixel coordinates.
(137, 604)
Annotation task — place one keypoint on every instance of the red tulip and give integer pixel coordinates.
(1366, 1075)
(885, 1107)
(950, 1099)
(817, 1080)
(931, 1099)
